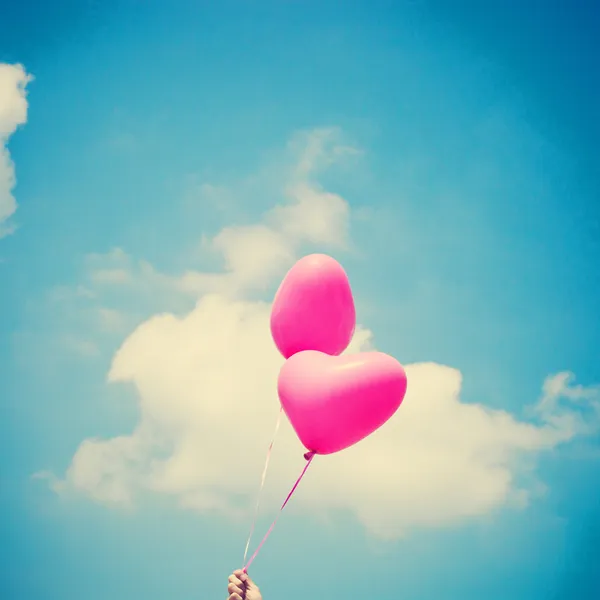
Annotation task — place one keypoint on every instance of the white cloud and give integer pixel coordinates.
(13, 112)
(319, 149)
(205, 383)
(252, 256)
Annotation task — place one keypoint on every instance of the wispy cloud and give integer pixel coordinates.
(251, 255)
(204, 376)
(13, 113)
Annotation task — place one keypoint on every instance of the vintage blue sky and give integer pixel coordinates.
(171, 162)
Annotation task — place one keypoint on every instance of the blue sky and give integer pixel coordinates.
(446, 155)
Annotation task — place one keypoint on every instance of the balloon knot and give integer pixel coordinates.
(309, 455)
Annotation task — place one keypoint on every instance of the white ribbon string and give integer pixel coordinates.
(262, 483)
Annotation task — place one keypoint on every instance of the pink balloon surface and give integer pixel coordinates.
(334, 402)
(313, 308)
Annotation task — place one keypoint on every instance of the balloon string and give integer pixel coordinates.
(309, 457)
(262, 481)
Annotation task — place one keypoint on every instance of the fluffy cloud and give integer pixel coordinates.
(205, 384)
(13, 112)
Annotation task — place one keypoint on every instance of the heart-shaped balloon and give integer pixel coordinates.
(313, 308)
(334, 402)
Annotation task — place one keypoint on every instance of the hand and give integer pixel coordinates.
(241, 587)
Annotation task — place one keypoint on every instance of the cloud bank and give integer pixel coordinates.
(205, 386)
(13, 112)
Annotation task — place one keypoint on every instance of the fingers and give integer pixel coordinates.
(236, 586)
(240, 574)
(233, 588)
(239, 577)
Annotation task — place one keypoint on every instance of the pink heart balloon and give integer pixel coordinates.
(334, 402)
(313, 308)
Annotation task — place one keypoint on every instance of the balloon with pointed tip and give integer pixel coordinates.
(313, 308)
